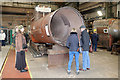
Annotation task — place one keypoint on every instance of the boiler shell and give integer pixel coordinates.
(60, 24)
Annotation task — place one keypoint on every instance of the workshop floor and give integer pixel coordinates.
(9, 72)
(103, 65)
(3, 54)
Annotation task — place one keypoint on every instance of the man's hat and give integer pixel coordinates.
(83, 26)
(95, 30)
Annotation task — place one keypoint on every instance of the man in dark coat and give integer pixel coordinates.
(95, 39)
(26, 37)
(73, 45)
(84, 43)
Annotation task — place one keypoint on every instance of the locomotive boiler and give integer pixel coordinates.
(49, 33)
(56, 26)
(108, 30)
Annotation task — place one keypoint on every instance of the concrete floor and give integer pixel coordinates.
(103, 65)
(3, 54)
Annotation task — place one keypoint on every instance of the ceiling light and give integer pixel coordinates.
(99, 13)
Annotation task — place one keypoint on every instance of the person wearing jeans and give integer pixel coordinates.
(71, 54)
(85, 43)
(73, 44)
(95, 39)
(86, 60)
(94, 46)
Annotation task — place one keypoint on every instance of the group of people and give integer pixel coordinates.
(75, 48)
(74, 44)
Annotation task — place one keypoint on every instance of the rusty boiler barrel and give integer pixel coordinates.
(56, 26)
(114, 29)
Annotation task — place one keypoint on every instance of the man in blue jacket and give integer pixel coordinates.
(84, 43)
(73, 45)
(95, 39)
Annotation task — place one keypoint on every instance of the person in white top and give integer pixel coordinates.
(3, 35)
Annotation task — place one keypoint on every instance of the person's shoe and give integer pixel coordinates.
(18, 69)
(77, 72)
(68, 71)
(95, 51)
(82, 70)
(24, 70)
(88, 68)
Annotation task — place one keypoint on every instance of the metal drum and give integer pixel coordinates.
(114, 29)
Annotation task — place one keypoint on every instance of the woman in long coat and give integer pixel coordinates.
(20, 56)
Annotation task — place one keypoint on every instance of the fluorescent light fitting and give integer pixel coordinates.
(99, 13)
